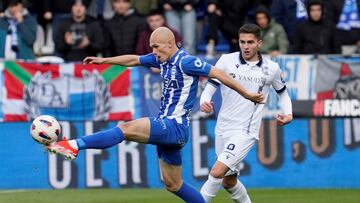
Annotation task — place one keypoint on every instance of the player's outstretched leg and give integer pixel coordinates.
(137, 130)
(236, 189)
(100, 140)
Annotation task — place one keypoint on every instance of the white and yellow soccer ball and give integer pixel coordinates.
(45, 129)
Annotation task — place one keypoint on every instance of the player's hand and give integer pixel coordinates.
(256, 97)
(93, 60)
(283, 119)
(206, 107)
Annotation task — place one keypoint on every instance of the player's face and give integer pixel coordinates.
(155, 21)
(315, 12)
(161, 48)
(249, 46)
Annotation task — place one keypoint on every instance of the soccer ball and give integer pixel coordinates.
(45, 129)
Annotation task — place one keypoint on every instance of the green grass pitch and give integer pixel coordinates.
(159, 195)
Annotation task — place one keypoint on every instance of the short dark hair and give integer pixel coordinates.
(264, 10)
(15, 3)
(314, 2)
(155, 12)
(250, 28)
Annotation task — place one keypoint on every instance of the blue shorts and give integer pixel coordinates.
(169, 137)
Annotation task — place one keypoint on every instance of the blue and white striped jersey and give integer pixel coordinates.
(180, 83)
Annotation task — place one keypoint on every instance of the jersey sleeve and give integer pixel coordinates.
(149, 60)
(220, 65)
(194, 66)
(278, 82)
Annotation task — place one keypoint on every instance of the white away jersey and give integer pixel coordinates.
(180, 83)
(236, 112)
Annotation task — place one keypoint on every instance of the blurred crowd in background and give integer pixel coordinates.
(69, 30)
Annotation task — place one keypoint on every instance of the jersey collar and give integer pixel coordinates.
(243, 62)
(175, 57)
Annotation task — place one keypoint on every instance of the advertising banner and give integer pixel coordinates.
(299, 74)
(307, 153)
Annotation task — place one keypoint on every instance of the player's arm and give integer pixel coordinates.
(206, 104)
(231, 83)
(286, 108)
(284, 99)
(124, 60)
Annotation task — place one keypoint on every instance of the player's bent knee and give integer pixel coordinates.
(229, 183)
(216, 173)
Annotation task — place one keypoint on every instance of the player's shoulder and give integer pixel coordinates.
(190, 61)
(229, 56)
(270, 63)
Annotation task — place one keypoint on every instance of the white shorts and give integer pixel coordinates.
(231, 148)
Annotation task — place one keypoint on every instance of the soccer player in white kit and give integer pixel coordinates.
(238, 122)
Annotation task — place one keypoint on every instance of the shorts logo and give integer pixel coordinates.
(230, 147)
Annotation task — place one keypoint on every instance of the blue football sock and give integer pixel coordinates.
(101, 140)
(189, 194)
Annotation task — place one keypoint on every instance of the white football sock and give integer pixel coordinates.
(210, 188)
(239, 194)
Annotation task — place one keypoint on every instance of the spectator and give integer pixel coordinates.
(58, 10)
(17, 32)
(36, 8)
(181, 16)
(101, 9)
(44, 43)
(79, 36)
(273, 35)
(228, 16)
(144, 7)
(345, 14)
(155, 19)
(61, 7)
(288, 13)
(122, 31)
(317, 35)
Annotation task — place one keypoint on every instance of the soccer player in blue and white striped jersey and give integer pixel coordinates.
(169, 131)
